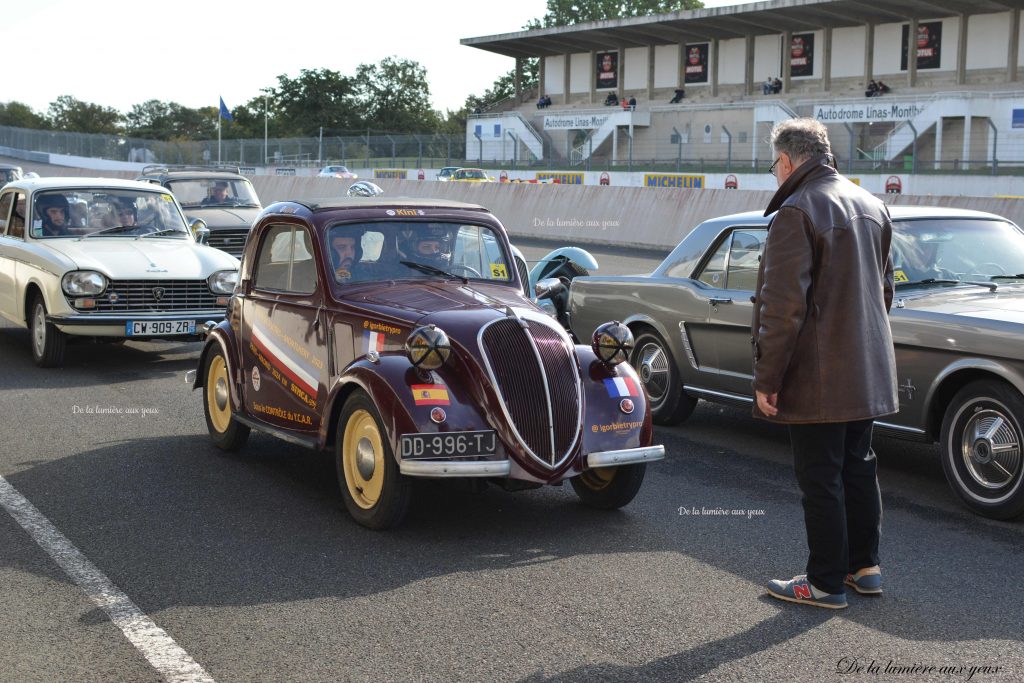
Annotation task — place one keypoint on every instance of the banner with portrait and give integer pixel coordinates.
(607, 70)
(801, 54)
(695, 63)
(928, 44)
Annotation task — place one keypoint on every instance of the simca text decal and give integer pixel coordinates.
(899, 276)
(289, 371)
(430, 394)
(621, 386)
(617, 426)
(498, 270)
(274, 411)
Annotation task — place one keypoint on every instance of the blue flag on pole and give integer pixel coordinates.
(224, 113)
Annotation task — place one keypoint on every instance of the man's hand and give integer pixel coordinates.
(767, 403)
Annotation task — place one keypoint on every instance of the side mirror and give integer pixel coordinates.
(548, 287)
(199, 230)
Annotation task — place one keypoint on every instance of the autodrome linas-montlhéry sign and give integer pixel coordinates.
(867, 113)
(574, 121)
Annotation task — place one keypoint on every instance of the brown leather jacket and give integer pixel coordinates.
(825, 285)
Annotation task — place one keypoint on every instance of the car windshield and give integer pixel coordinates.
(964, 250)
(104, 212)
(397, 250)
(336, 169)
(198, 192)
(470, 173)
(8, 175)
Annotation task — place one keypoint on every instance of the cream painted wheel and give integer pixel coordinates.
(363, 458)
(226, 432)
(376, 493)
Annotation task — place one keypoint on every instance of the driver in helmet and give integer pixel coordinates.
(127, 213)
(346, 253)
(429, 245)
(53, 211)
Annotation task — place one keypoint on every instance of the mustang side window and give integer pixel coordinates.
(285, 261)
(745, 259)
(713, 272)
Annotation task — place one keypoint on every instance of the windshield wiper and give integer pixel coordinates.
(157, 233)
(111, 231)
(1018, 276)
(991, 286)
(434, 271)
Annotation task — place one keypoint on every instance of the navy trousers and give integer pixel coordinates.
(837, 473)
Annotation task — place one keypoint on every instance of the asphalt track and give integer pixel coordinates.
(251, 567)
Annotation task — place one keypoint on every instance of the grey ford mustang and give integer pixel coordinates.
(957, 322)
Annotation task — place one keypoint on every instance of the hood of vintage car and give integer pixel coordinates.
(451, 306)
(1004, 305)
(223, 217)
(121, 258)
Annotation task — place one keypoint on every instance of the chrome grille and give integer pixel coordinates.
(141, 296)
(536, 378)
(231, 241)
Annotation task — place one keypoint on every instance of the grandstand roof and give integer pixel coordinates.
(738, 21)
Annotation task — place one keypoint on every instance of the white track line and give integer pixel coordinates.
(165, 655)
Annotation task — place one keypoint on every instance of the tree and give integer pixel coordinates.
(74, 116)
(569, 12)
(20, 115)
(394, 96)
(316, 98)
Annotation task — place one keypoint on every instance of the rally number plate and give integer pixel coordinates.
(150, 328)
(448, 445)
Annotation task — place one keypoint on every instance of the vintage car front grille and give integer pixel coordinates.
(536, 377)
(231, 241)
(155, 296)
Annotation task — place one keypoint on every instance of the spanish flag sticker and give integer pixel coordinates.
(430, 395)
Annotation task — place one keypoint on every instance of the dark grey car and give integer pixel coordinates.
(228, 217)
(957, 323)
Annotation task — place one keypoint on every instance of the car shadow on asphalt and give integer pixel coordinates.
(180, 523)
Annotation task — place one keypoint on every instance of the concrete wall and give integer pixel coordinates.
(666, 66)
(987, 38)
(848, 52)
(731, 61)
(579, 73)
(635, 76)
(767, 57)
(554, 75)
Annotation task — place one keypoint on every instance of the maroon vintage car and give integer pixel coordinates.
(396, 334)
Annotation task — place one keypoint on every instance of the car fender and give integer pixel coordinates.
(53, 300)
(642, 319)
(580, 256)
(991, 367)
(224, 337)
(606, 426)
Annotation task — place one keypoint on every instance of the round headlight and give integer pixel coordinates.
(83, 283)
(223, 281)
(612, 342)
(428, 347)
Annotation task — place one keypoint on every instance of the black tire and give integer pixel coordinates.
(982, 449)
(659, 374)
(227, 433)
(609, 488)
(48, 343)
(376, 494)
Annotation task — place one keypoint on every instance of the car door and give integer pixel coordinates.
(729, 279)
(12, 247)
(284, 340)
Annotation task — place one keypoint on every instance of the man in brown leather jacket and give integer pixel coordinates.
(823, 357)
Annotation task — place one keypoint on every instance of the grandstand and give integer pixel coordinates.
(957, 107)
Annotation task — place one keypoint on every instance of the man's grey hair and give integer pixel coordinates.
(801, 139)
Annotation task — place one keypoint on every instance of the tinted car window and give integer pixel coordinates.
(745, 259)
(5, 208)
(713, 272)
(285, 261)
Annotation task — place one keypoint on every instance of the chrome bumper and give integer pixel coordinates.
(630, 456)
(449, 468)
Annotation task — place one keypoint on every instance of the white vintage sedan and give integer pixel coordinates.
(99, 257)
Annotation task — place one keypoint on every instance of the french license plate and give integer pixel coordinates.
(448, 445)
(149, 328)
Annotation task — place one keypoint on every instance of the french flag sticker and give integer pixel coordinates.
(621, 386)
(374, 341)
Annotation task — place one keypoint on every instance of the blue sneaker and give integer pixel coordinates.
(799, 590)
(867, 581)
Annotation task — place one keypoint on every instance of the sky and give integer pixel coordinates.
(119, 53)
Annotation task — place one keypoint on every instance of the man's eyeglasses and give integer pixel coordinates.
(771, 169)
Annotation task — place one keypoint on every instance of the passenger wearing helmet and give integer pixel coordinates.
(52, 210)
(364, 188)
(346, 253)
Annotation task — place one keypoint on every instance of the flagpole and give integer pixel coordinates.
(219, 117)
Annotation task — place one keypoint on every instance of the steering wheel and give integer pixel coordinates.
(473, 272)
(994, 266)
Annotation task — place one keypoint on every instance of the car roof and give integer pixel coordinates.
(10, 166)
(897, 212)
(329, 203)
(198, 175)
(55, 183)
